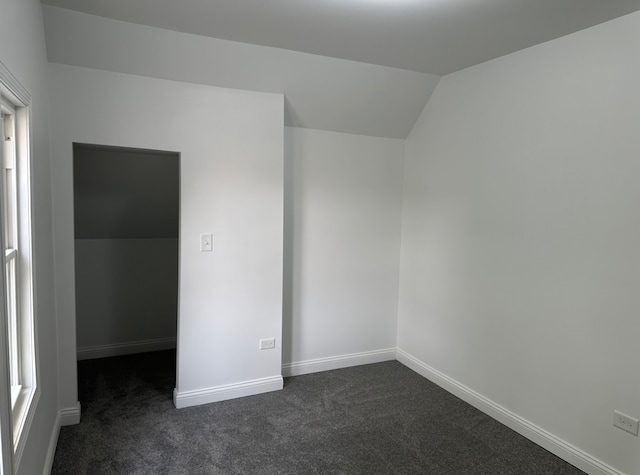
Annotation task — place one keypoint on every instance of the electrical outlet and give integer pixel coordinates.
(268, 344)
(625, 422)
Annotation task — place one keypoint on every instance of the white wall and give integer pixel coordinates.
(231, 157)
(126, 295)
(22, 50)
(342, 237)
(520, 267)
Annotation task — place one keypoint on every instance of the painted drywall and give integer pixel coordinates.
(321, 92)
(124, 193)
(231, 158)
(22, 51)
(126, 295)
(519, 266)
(342, 229)
(126, 218)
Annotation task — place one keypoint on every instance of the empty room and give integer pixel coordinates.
(355, 236)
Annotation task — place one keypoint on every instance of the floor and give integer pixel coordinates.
(373, 419)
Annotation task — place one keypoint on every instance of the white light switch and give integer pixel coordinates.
(206, 242)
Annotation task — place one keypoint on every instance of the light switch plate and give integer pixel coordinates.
(206, 242)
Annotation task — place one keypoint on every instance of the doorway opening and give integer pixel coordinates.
(126, 223)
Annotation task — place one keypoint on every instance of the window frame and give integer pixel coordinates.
(9, 217)
(16, 418)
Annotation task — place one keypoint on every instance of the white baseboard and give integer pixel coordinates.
(119, 349)
(337, 362)
(553, 444)
(53, 443)
(229, 391)
(65, 417)
(70, 416)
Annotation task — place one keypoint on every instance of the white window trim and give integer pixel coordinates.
(17, 423)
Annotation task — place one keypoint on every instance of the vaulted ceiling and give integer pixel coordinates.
(423, 38)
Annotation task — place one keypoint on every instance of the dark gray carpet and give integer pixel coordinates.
(375, 419)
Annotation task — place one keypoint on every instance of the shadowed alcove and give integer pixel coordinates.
(126, 208)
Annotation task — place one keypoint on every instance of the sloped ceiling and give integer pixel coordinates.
(110, 203)
(357, 66)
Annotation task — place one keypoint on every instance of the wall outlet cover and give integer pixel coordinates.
(268, 344)
(626, 423)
